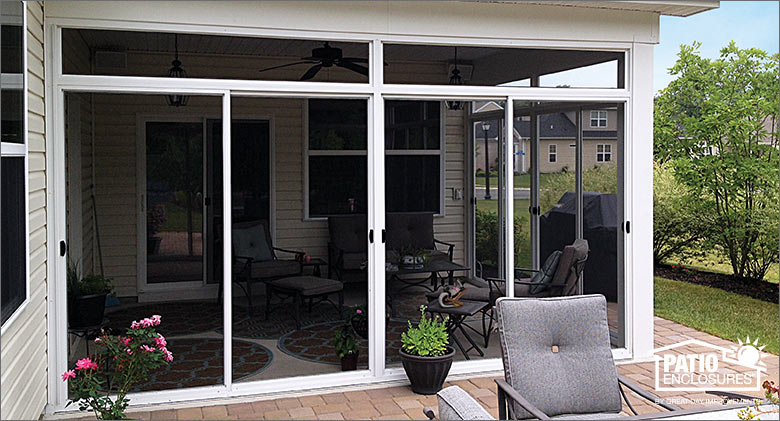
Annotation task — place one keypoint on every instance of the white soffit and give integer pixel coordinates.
(670, 8)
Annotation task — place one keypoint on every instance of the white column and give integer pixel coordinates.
(639, 202)
(509, 200)
(227, 250)
(376, 215)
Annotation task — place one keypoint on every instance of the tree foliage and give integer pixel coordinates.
(716, 124)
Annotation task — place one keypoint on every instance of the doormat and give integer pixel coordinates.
(315, 343)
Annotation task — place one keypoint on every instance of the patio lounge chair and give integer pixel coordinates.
(255, 258)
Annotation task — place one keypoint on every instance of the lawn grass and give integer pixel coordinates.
(712, 261)
(724, 314)
(520, 209)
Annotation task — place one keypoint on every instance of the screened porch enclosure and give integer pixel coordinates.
(147, 190)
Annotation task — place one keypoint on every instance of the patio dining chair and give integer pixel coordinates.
(255, 258)
(557, 365)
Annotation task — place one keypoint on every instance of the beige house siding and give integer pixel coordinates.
(23, 359)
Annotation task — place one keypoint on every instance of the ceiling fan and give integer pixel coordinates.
(325, 57)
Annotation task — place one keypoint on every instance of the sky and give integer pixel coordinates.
(748, 23)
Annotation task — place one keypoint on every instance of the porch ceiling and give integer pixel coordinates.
(670, 8)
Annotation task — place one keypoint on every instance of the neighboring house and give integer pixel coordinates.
(114, 158)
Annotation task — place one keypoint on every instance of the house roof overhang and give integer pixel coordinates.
(669, 8)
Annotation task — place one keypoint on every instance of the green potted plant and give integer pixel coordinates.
(426, 355)
(86, 298)
(346, 348)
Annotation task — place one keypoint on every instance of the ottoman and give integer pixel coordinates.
(302, 288)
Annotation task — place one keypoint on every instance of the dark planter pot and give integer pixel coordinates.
(361, 327)
(153, 245)
(86, 310)
(349, 362)
(427, 374)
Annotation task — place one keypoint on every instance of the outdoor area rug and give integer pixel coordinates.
(315, 343)
(178, 318)
(198, 362)
(280, 320)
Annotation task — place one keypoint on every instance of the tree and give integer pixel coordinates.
(717, 126)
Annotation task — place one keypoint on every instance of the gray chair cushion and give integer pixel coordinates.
(275, 269)
(413, 229)
(349, 233)
(564, 274)
(545, 274)
(251, 240)
(456, 404)
(308, 285)
(579, 378)
(595, 416)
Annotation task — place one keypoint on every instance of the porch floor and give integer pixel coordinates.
(397, 401)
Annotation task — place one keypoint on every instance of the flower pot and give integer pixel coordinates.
(86, 310)
(349, 361)
(427, 374)
(361, 327)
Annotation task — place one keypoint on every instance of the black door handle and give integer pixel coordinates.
(63, 248)
(371, 236)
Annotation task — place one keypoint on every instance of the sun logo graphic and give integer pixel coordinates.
(695, 365)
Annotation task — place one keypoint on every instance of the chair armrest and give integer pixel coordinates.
(295, 252)
(526, 270)
(645, 394)
(428, 411)
(450, 246)
(507, 393)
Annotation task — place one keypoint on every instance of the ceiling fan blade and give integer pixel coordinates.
(285, 65)
(352, 66)
(355, 59)
(311, 72)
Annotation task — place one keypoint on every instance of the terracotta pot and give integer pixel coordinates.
(427, 374)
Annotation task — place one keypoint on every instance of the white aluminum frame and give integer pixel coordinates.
(375, 92)
(10, 150)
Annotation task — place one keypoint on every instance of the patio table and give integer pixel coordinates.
(457, 315)
(432, 268)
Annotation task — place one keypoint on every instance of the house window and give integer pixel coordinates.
(603, 153)
(598, 119)
(336, 157)
(552, 153)
(13, 163)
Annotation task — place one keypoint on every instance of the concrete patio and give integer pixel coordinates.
(395, 401)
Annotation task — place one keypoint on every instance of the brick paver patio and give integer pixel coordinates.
(397, 402)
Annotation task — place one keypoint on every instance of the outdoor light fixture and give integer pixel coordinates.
(455, 79)
(177, 71)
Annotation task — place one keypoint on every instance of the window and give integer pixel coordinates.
(13, 162)
(603, 153)
(552, 153)
(336, 157)
(598, 119)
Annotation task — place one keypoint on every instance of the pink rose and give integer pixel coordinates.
(70, 374)
(156, 319)
(168, 355)
(86, 364)
(160, 341)
(147, 348)
(129, 351)
(359, 311)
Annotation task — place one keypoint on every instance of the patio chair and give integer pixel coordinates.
(348, 247)
(557, 363)
(255, 258)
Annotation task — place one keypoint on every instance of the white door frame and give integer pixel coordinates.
(375, 91)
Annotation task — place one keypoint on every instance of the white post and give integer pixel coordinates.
(639, 200)
(509, 200)
(376, 216)
(227, 250)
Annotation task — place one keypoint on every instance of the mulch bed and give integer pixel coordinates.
(760, 290)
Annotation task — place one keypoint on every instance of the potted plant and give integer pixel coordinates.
(346, 348)
(426, 355)
(86, 298)
(155, 217)
(359, 321)
(100, 382)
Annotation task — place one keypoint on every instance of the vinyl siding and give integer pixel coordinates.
(23, 357)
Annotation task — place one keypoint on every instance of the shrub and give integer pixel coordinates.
(486, 236)
(600, 178)
(428, 339)
(119, 363)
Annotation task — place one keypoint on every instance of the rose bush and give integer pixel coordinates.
(119, 362)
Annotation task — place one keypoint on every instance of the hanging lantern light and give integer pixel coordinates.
(177, 71)
(455, 79)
